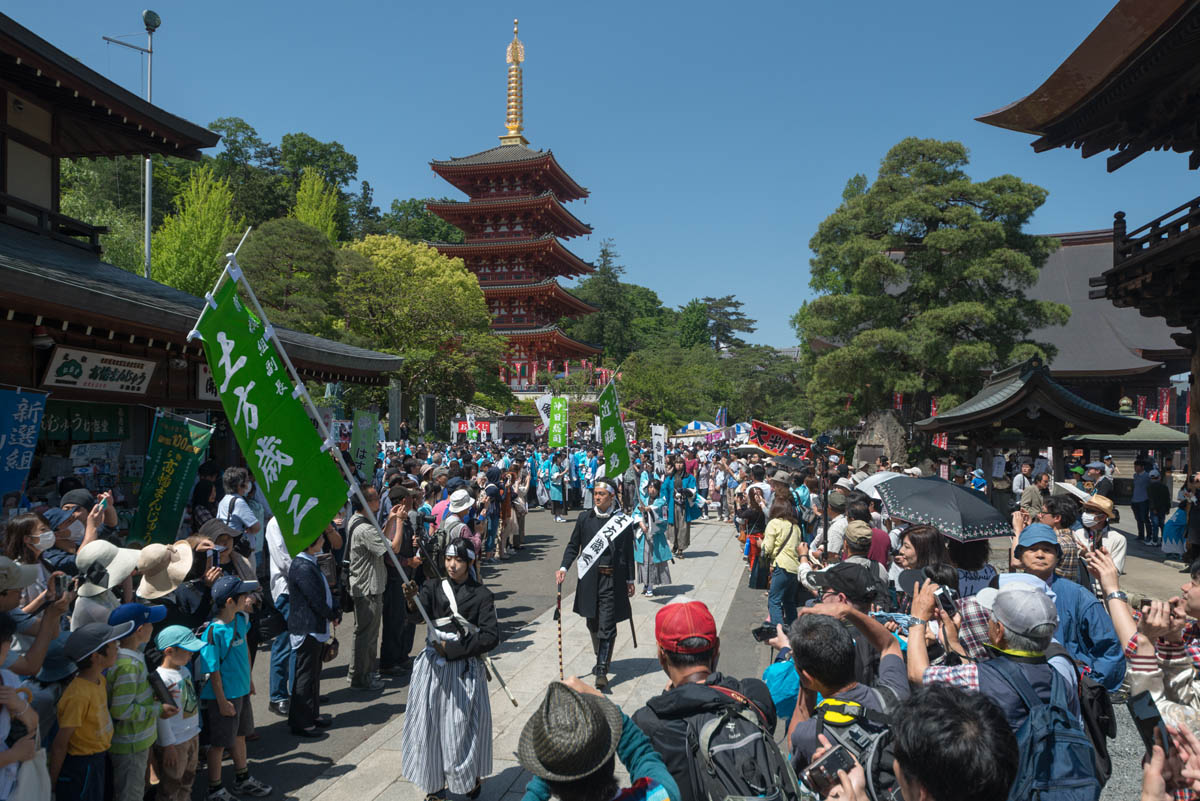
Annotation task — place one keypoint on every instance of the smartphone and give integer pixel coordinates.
(214, 556)
(1145, 716)
(763, 633)
(822, 775)
(947, 598)
(62, 583)
(103, 504)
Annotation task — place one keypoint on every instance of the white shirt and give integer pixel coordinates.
(1112, 540)
(234, 512)
(185, 725)
(1020, 482)
(281, 560)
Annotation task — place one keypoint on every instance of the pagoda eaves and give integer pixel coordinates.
(509, 170)
(538, 258)
(477, 215)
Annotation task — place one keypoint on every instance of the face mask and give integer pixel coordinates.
(44, 541)
(1088, 519)
(77, 531)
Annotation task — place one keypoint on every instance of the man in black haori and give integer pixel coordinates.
(603, 543)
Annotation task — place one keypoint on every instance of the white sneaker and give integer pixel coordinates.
(252, 787)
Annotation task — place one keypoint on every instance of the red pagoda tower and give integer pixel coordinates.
(513, 224)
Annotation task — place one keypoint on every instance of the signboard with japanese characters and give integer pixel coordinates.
(20, 422)
(301, 482)
(658, 436)
(98, 372)
(775, 440)
(363, 442)
(85, 422)
(543, 407)
(176, 451)
(558, 423)
(205, 388)
(612, 433)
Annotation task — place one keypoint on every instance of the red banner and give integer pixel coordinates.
(1141, 405)
(897, 400)
(933, 406)
(1164, 404)
(480, 425)
(775, 440)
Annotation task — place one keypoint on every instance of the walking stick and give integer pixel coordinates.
(633, 631)
(558, 620)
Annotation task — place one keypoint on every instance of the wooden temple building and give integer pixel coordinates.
(1133, 86)
(514, 224)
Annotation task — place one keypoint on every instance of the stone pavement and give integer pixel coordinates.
(528, 660)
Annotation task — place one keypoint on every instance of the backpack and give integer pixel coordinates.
(1056, 762)
(733, 756)
(866, 733)
(445, 534)
(1096, 709)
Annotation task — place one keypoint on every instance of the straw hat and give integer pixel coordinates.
(163, 568)
(570, 736)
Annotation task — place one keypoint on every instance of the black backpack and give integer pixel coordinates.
(867, 734)
(733, 756)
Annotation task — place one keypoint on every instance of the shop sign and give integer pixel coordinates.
(97, 371)
(85, 422)
(205, 388)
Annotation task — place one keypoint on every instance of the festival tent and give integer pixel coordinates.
(697, 425)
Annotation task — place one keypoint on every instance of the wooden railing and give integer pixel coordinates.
(49, 223)
(1160, 231)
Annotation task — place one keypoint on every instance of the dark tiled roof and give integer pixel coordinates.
(35, 267)
(545, 329)
(504, 154)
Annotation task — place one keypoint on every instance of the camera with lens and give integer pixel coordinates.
(947, 599)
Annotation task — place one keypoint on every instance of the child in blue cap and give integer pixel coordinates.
(131, 702)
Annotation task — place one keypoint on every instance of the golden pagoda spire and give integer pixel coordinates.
(514, 123)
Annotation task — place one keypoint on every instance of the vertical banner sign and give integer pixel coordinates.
(175, 455)
(1141, 405)
(596, 427)
(20, 422)
(933, 406)
(302, 483)
(611, 433)
(363, 442)
(897, 400)
(1164, 405)
(658, 435)
(543, 406)
(558, 422)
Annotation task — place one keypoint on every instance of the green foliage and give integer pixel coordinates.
(923, 276)
(317, 204)
(425, 307)
(292, 267)
(298, 151)
(693, 324)
(575, 386)
(124, 243)
(725, 320)
(610, 328)
(251, 165)
(672, 384)
(409, 219)
(763, 383)
(186, 249)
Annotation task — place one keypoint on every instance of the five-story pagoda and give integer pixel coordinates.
(513, 223)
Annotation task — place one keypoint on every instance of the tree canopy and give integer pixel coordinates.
(317, 204)
(185, 251)
(922, 277)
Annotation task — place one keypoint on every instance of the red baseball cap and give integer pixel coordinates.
(681, 621)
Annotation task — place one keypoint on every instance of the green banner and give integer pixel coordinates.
(363, 443)
(175, 454)
(612, 433)
(303, 485)
(85, 422)
(559, 424)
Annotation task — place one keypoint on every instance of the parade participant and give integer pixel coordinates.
(447, 738)
(520, 502)
(556, 484)
(682, 508)
(651, 550)
(599, 596)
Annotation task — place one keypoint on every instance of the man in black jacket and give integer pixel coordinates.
(310, 612)
(688, 649)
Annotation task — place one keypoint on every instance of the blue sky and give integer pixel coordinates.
(714, 137)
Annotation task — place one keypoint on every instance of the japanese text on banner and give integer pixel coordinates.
(303, 485)
(612, 434)
(171, 466)
(559, 423)
(20, 422)
(363, 443)
(658, 435)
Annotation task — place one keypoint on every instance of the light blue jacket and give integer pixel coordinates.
(1086, 630)
(660, 549)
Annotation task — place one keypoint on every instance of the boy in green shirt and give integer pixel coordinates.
(131, 702)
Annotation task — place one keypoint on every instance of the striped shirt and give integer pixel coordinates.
(131, 704)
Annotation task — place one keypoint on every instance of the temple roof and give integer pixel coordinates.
(96, 117)
(1025, 397)
(548, 286)
(569, 264)
(1130, 86)
(456, 212)
(507, 159)
(548, 334)
(1146, 434)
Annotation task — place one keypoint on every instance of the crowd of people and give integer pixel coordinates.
(906, 662)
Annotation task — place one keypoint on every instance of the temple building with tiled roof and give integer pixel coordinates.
(514, 223)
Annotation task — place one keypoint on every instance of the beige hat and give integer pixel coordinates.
(163, 569)
(14, 576)
(858, 535)
(103, 566)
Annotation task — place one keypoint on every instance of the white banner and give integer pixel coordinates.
(599, 544)
(659, 437)
(205, 388)
(101, 372)
(543, 407)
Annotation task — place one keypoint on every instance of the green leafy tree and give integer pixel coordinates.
(611, 327)
(186, 250)
(365, 218)
(316, 204)
(292, 267)
(672, 384)
(251, 165)
(725, 320)
(412, 221)
(693, 324)
(83, 197)
(300, 150)
(410, 300)
(922, 277)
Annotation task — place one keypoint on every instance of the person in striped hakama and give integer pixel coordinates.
(447, 739)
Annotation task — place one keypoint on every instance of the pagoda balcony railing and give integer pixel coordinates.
(1169, 229)
(18, 212)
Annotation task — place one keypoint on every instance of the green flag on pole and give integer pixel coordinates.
(363, 442)
(559, 424)
(175, 452)
(612, 433)
(302, 483)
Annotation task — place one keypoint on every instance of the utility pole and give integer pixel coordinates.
(151, 21)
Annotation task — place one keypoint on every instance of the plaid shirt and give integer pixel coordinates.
(965, 676)
(1068, 566)
(1191, 641)
(973, 633)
